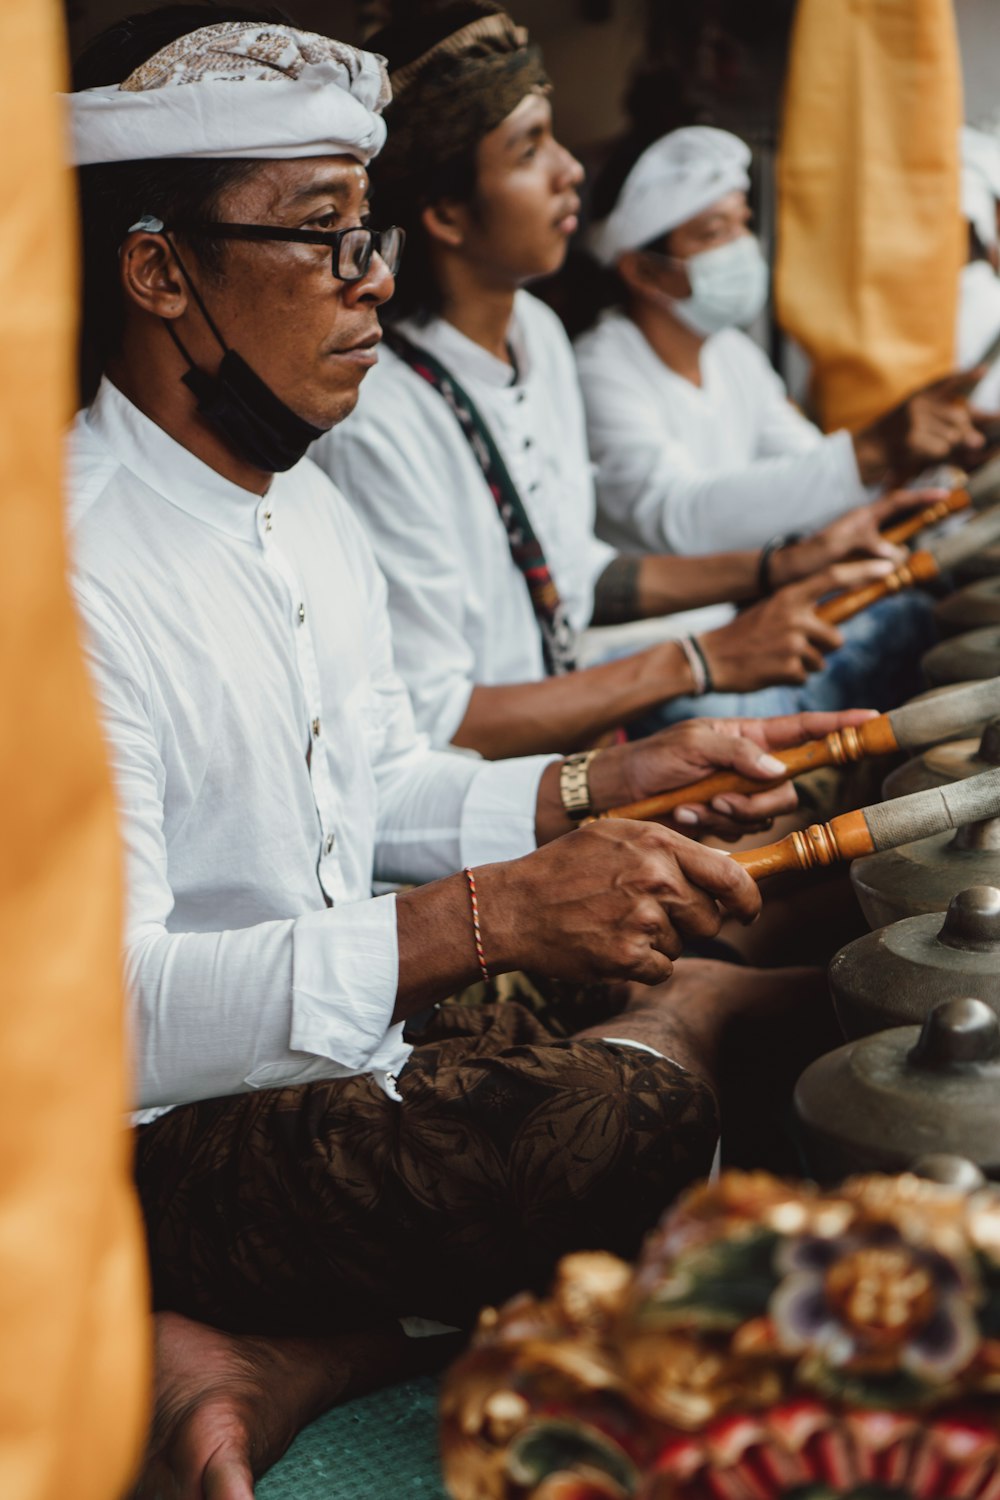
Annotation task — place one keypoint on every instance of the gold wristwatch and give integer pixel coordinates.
(574, 784)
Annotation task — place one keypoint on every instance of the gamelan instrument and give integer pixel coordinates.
(964, 657)
(940, 692)
(984, 565)
(983, 484)
(922, 873)
(877, 1102)
(922, 566)
(970, 608)
(896, 975)
(882, 827)
(907, 728)
(943, 763)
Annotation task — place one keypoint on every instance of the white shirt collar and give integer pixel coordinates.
(171, 470)
(470, 361)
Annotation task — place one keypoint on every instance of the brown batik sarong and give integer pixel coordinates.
(329, 1206)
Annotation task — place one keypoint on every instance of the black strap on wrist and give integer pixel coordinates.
(709, 679)
(787, 539)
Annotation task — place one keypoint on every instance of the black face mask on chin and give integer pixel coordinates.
(241, 407)
(245, 411)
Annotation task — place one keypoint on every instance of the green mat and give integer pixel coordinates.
(379, 1447)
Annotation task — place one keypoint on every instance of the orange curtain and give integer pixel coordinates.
(870, 237)
(73, 1330)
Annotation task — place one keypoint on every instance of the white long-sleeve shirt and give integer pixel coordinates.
(689, 469)
(978, 326)
(266, 764)
(461, 613)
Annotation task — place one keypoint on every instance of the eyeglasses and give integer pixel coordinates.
(352, 249)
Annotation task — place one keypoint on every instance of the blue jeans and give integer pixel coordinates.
(878, 666)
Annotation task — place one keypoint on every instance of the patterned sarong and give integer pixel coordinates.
(329, 1206)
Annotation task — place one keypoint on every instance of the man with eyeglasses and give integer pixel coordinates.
(309, 1178)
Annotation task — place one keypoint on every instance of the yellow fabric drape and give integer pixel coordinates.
(870, 237)
(73, 1331)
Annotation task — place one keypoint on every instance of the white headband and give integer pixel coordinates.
(981, 182)
(679, 176)
(237, 89)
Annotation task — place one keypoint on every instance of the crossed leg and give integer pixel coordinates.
(573, 1168)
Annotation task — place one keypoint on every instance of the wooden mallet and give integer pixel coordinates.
(884, 826)
(920, 567)
(952, 505)
(911, 727)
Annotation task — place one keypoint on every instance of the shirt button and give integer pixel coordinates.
(267, 519)
(527, 442)
(329, 842)
(316, 726)
(302, 614)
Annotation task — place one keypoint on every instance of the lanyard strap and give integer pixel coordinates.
(558, 635)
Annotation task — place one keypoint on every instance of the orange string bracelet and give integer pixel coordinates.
(476, 929)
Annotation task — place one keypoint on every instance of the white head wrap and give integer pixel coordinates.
(237, 89)
(679, 176)
(981, 182)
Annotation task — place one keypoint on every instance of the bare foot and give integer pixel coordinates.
(227, 1406)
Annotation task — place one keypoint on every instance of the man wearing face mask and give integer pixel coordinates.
(695, 441)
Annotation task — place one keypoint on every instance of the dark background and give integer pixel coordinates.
(714, 61)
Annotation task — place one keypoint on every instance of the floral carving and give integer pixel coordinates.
(773, 1339)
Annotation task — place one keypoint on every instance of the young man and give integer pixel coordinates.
(467, 459)
(695, 441)
(308, 1177)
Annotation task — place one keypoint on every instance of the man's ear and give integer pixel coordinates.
(446, 222)
(634, 270)
(150, 275)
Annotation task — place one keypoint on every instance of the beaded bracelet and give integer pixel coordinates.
(476, 929)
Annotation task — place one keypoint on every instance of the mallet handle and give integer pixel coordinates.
(920, 568)
(843, 838)
(958, 500)
(884, 825)
(875, 737)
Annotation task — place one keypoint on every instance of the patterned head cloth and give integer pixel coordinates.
(454, 93)
(675, 178)
(237, 89)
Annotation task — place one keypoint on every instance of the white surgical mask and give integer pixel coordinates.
(728, 287)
